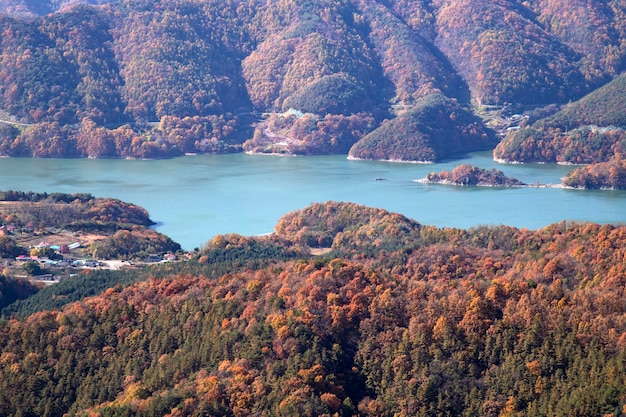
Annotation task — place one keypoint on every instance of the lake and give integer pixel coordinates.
(193, 198)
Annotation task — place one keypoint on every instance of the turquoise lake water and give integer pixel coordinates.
(193, 198)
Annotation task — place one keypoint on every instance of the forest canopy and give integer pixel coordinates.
(400, 319)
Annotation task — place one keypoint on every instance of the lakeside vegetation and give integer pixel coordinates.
(605, 175)
(308, 134)
(400, 318)
(590, 131)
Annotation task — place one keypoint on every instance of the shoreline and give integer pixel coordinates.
(400, 161)
(501, 161)
(445, 182)
(255, 153)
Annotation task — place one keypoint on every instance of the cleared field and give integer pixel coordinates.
(60, 238)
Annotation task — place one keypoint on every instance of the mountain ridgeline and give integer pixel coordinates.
(159, 79)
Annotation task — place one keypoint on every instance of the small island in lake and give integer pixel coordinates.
(467, 174)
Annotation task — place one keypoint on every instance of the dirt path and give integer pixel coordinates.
(8, 122)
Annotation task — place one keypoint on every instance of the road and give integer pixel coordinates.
(8, 122)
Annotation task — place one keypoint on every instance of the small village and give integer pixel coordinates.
(60, 254)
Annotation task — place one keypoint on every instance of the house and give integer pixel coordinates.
(153, 257)
(44, 277)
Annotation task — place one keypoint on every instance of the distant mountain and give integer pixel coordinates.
(603, 107)
(161, 78)
(590, 130)
(30, 9)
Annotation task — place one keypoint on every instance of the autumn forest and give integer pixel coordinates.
(344, 310)
(396, 318)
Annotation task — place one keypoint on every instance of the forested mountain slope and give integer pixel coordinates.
(591, 130)
(434, 129)
(156, 79)
(400, 319)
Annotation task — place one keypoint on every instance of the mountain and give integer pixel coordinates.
(589, 130)
(435, 128)
(30, 9)
(159, 79)
(603, 107)
(399, 318)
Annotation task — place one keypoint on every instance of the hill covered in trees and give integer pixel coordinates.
(159, 79)
(398, 319)
(590, 130)
(434, 129)
(603, 175)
